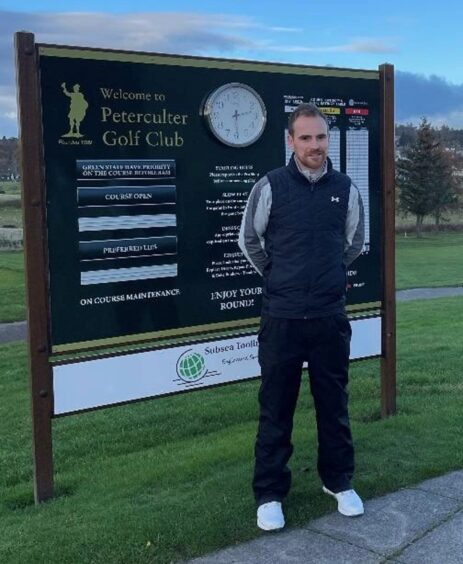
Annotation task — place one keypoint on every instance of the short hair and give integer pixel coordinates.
(308, 110)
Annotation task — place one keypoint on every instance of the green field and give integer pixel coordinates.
(434, 260)
(10, 205)
(12, 299)
(169, 479)
(10, 217)
(431, 261)
(10, 187)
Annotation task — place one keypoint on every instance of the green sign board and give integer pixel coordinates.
(149, 161)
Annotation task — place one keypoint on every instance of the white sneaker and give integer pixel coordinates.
(349, 503)
(270, 516)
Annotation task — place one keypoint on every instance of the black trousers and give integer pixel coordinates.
(284, 344)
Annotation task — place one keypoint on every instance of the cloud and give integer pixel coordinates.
(189, 33)
(432, 96)
(8, 116)
(168, 32)
(372, 45)
(212, 35)
(355, 46)
(286, 29)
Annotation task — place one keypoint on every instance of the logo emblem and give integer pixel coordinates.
(77, 109)
(191, 366)
(333, 199)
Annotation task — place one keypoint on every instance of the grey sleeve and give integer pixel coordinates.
(254, 224)
(355, 226)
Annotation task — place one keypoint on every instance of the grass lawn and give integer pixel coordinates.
(8, 187)
(169, 479)
(433, 260)
(12, 290)
(10, 210)
(10, 217)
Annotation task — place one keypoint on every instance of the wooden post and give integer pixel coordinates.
(36, 262)
(388, 326)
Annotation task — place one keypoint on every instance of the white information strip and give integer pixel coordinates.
(288, 150)
(357, 169)
(96, 383)
(126, 222)
(127, 274)
(334, 150)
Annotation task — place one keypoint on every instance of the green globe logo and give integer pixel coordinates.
(191, 366)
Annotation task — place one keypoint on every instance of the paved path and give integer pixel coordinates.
(419, 525)
(13, 331)
(427, 293)
(17, 331)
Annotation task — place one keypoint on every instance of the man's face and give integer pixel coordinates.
(310, 141)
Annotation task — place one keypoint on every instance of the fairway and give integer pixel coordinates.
(12, 287)
(169, 479)
(431, 261)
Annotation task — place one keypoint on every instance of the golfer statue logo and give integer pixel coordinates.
(77, 110)
(191, 366)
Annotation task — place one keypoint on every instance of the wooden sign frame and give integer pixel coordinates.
(36, 255)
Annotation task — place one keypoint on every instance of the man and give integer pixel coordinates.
(302, 226)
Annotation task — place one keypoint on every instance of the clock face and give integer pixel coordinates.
(235, 114)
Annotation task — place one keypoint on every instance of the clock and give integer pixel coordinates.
(235, 114)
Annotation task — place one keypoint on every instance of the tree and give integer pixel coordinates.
(444, 196)
(425, 177)
(9, 157)
(405, 135)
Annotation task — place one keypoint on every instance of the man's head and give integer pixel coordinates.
(308, 136)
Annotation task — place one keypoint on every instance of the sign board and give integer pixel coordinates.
(146, 185)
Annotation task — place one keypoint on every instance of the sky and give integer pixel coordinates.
(422, 39)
